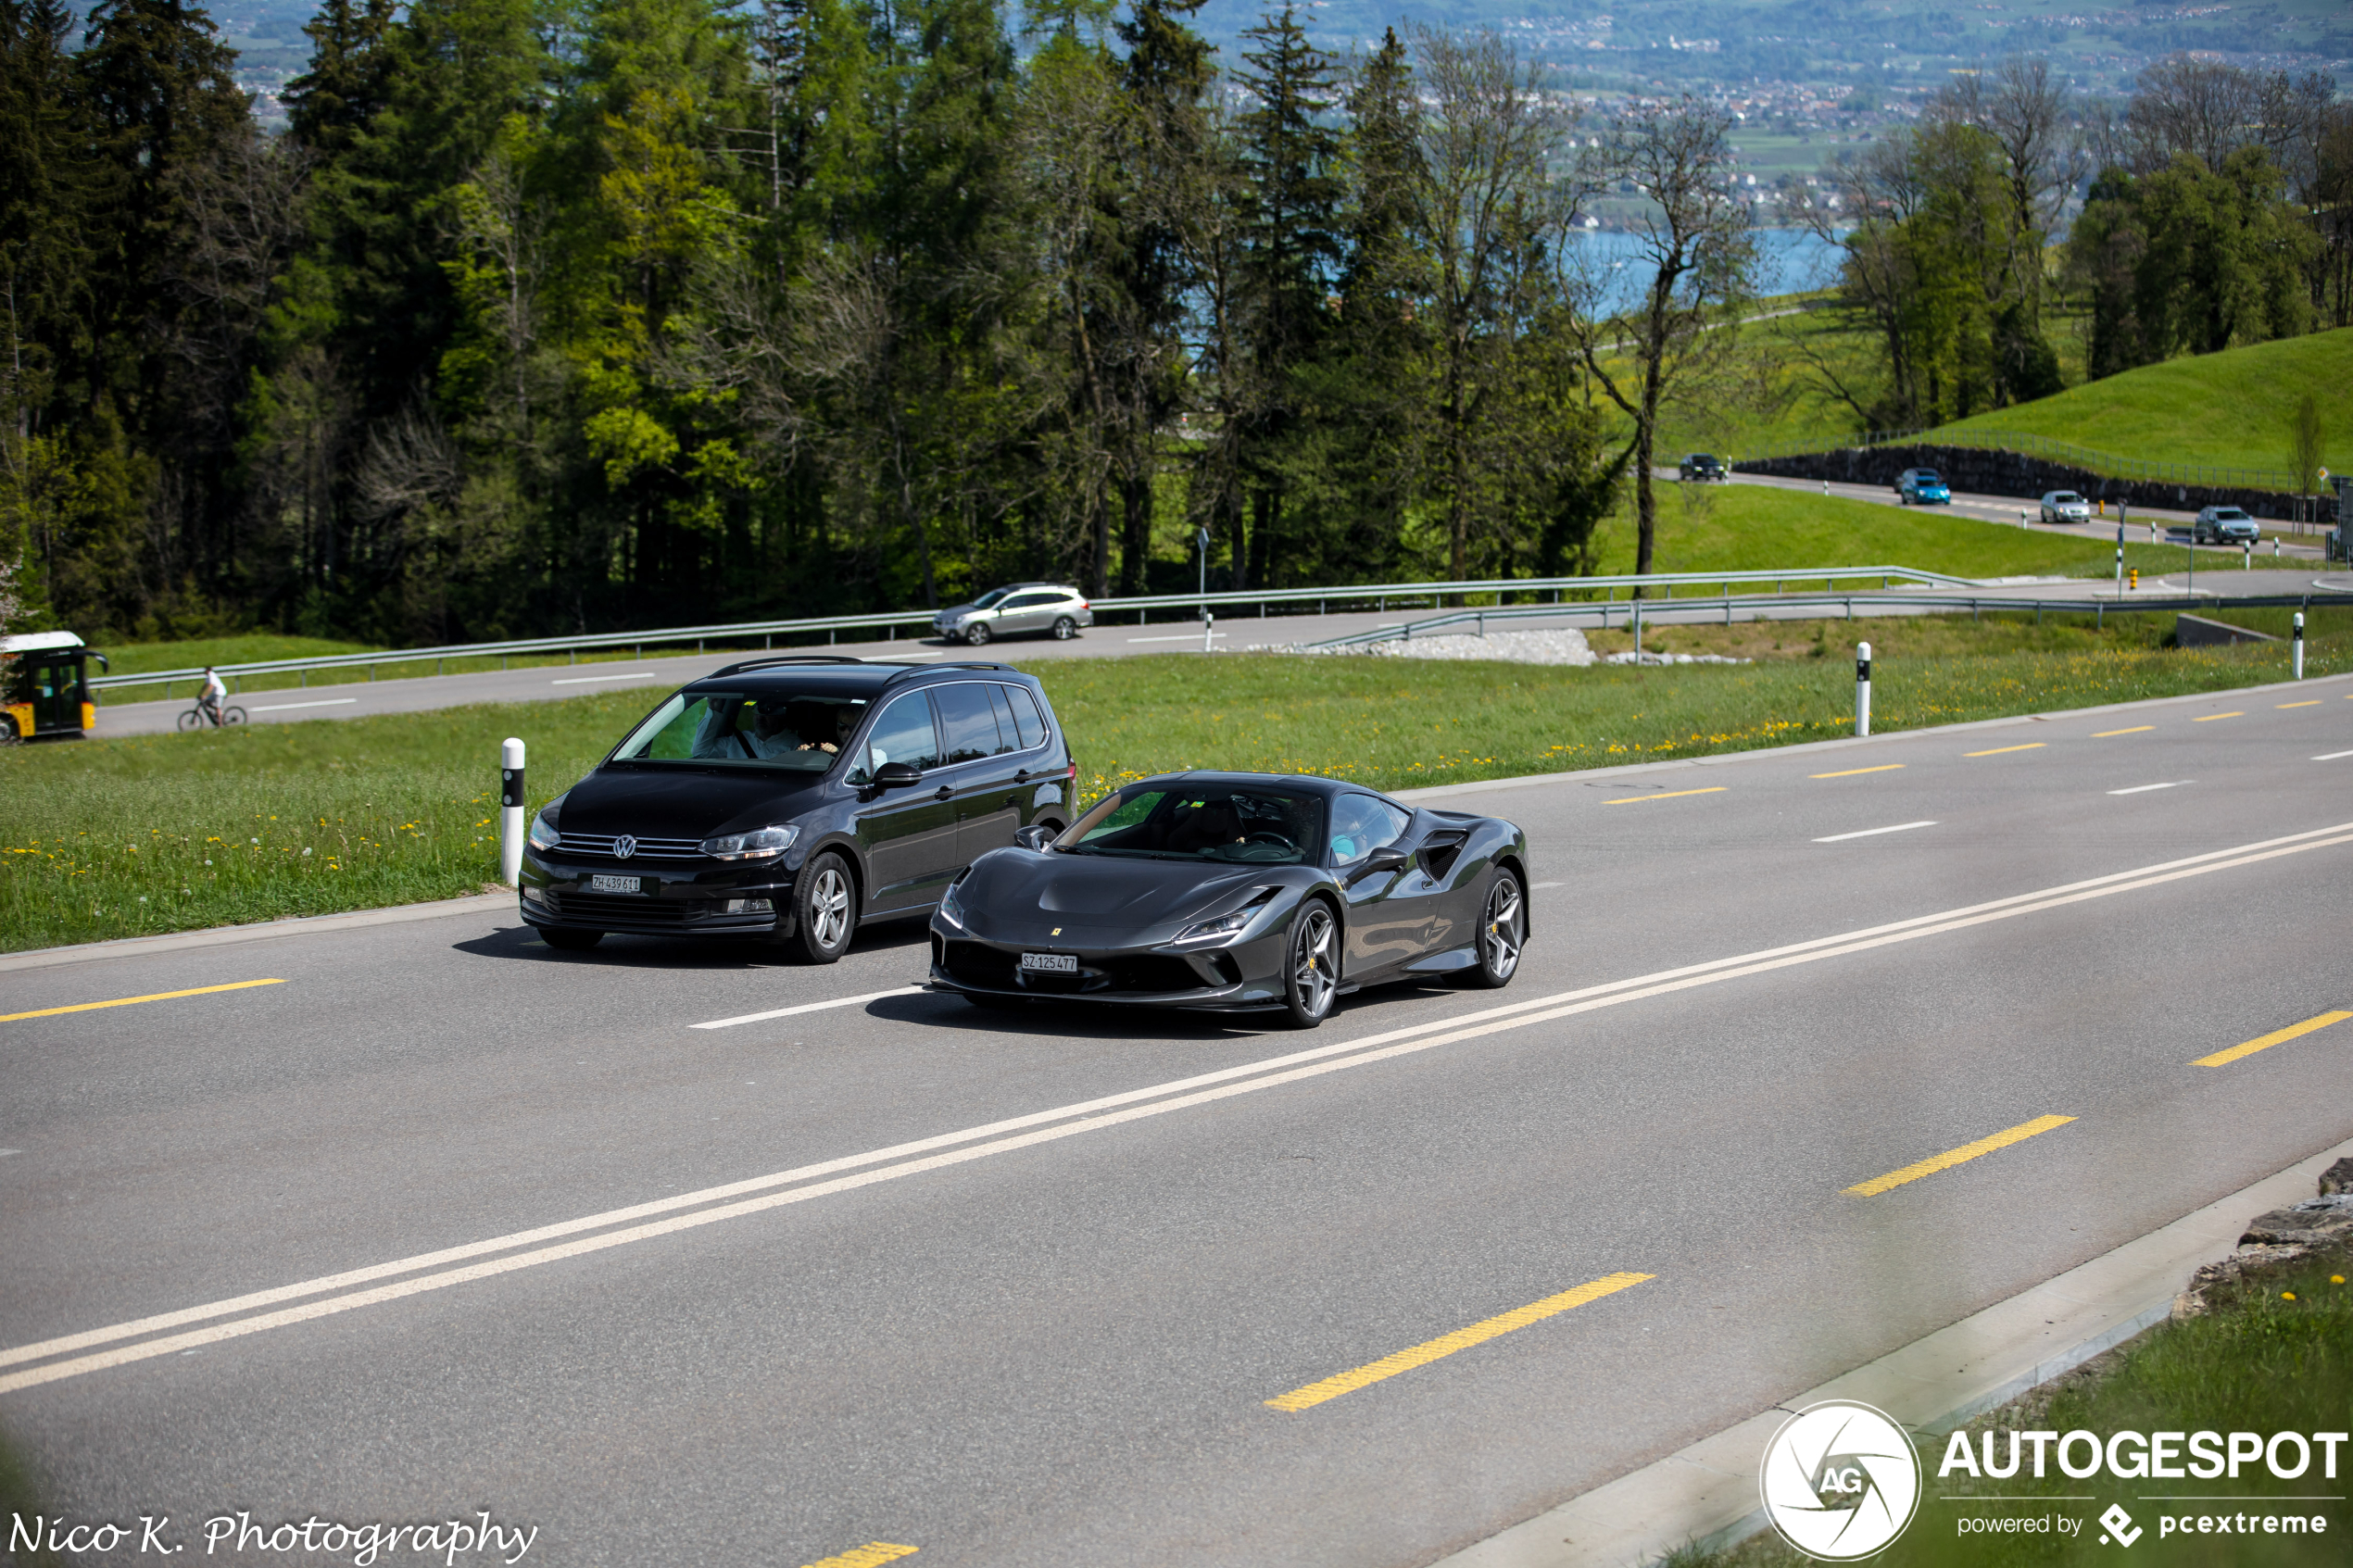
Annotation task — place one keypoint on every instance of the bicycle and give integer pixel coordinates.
(195, 717)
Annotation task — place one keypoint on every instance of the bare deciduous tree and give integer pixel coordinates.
(1697, 243)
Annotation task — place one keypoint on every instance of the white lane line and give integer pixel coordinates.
(1187, 637)
(1534, 885)
(323, 702)
(1872, 833)
(810, 1007)
(1266, 1073)
(2144, 789)
(2333, 755)
(583, 680)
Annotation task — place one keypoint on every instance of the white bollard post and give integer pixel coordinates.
(1862, 688)
(2248, 563)
(510, 810)
(2299, 645)
(1208, 621)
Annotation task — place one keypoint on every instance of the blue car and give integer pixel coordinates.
(1920, 487)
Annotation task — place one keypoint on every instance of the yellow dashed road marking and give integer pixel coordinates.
(1953, 1157)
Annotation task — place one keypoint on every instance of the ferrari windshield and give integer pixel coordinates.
(798, 734)
(1249, 824)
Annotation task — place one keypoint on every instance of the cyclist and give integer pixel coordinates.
(210, 699)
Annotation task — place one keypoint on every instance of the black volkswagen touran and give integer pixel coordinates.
(792, 797)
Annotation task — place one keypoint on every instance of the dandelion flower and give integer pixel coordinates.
(2284, 1295)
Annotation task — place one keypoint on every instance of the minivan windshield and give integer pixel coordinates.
(1245, 824)
(797, 732)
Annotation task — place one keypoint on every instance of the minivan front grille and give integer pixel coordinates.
(606, 845)
(604, 906)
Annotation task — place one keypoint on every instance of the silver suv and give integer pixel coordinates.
(2225, 525)
(1014, 609)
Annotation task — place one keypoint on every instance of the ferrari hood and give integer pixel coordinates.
(1021, 887)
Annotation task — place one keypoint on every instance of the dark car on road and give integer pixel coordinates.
(1923, 488)
(1702, 466)
(1016, 609)
(789, 798)
(1230, 891)
(2225, 525)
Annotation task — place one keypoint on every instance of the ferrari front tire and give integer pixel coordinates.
(1502, 933)
(1311, 965)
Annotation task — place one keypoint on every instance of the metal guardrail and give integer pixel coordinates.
(2107, 464)
(1637, 610)
(742, 632)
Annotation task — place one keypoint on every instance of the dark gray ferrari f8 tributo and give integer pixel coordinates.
(1235, 891)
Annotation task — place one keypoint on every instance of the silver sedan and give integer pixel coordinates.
(2066, 506)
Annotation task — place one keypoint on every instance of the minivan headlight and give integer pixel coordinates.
(757, 844)
(543, 831)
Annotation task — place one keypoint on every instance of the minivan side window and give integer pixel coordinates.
(1025, 719)
(903, 734)
(969, 719)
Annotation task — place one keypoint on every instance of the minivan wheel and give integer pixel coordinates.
(569, 939)
(977, 634)
(825, 910)
(1065, 629)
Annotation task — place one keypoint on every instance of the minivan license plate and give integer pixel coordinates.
(615, 884)
(1050, 963)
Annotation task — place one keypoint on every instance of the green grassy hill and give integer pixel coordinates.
(1749, 527)
(2229, 408)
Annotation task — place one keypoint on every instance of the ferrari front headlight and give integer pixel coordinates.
(1209, 930)
(951, 907)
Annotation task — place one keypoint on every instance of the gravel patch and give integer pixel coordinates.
(1564, 645)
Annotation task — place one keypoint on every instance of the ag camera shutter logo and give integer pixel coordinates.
(1840, 1481)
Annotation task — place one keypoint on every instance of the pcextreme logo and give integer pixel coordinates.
(1840, 1481)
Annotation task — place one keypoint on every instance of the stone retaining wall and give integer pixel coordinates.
(1989, 473)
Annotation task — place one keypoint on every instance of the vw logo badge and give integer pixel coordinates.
(1840, 1481)
(624, 847)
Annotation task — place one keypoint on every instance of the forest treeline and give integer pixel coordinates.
(566, 314)
(635, 311)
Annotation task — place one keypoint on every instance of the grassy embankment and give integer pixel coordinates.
(1747, 527)
(2229, 408)
(2272, 1354)
(128, 836)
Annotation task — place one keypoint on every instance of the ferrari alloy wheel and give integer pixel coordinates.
(977, 634)
(825, 910)
(1311, 973)
(1065, 629)
(569, 939)
(1502, 933)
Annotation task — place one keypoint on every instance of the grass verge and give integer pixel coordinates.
(2272, 1354)
(149, 834)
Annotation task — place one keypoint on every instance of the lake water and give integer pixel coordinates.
(1794, 260)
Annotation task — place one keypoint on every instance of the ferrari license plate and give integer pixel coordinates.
(1050, 963)
(616, 884)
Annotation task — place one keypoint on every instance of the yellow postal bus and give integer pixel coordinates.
(48, 693)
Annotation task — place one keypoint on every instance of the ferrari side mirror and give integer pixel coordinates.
(1038, 837)
(1388, 858)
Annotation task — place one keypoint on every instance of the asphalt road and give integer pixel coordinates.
(892, 1272)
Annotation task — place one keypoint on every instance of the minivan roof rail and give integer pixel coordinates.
(906, 671)
(785, 659)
